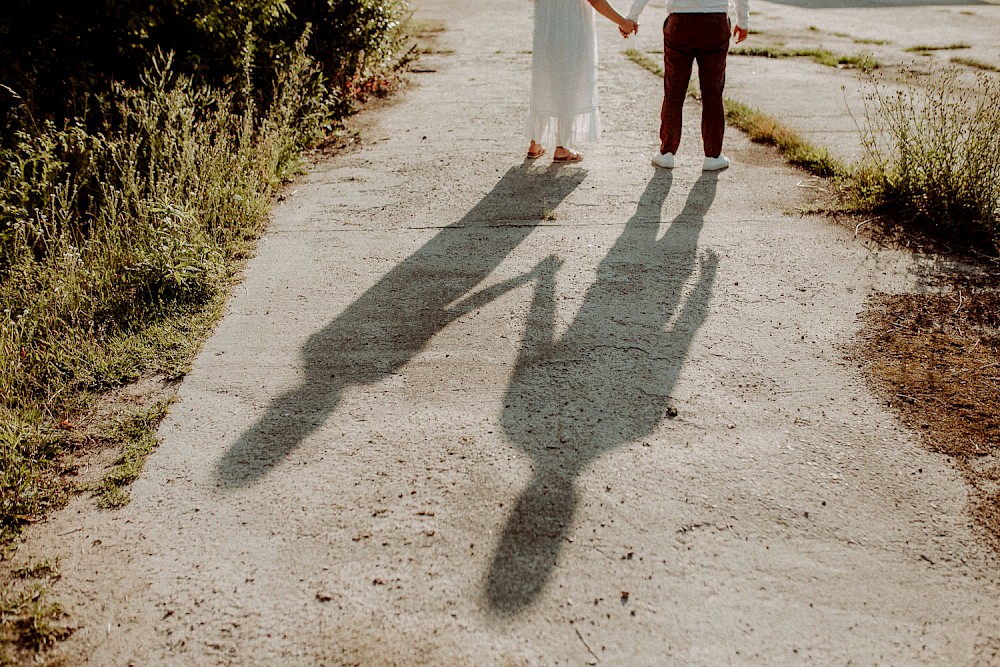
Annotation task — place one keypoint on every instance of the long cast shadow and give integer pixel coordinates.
(391, 322)
(605, 382)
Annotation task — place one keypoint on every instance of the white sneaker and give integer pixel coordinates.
(663, 160)
(716, 163)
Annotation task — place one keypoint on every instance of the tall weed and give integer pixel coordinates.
(933, 155)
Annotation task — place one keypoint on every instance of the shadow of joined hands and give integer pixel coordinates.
(395, 319)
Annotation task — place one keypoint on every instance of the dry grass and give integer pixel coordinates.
(936, 360)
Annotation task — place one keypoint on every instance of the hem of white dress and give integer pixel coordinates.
(585, 127)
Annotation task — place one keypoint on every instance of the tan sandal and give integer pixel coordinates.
(571, 156)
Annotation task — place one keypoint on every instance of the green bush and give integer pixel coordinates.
(933, 155)
(103, 232)
(106, 235)
(62, 58)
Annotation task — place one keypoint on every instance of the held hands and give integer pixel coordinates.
(740, 33)
(630, 27)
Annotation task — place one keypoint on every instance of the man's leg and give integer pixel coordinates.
(712, 78)
(677, 60)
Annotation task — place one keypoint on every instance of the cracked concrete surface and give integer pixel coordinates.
(465, 410)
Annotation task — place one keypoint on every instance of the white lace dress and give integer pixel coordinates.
(563, 103)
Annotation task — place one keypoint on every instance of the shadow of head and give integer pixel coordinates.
(394, 320)
(531, 542)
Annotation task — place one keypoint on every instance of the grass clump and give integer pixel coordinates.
(933, 156)
(869, 40)
(29, 463)
(30, 624)
(765, 129)
(644, 61)
(977, 64)
(923, 48)
(135, 434)
(38, 569)
(863, 61)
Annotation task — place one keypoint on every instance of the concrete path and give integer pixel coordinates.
(466, 410)
(826, 105)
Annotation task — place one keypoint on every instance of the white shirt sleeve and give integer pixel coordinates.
(742, 13)
(637, 7)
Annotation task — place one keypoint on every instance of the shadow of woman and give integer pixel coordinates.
(394, 320)
(605, 382)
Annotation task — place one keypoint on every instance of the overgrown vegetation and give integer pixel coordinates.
(120, 232)
(115, 238)
(142, 144)
(105, 236)
(62, 58)
(933, 156)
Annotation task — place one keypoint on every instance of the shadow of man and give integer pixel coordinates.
(394, 320)
(605, 382)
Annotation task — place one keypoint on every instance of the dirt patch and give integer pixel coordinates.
(32, 623)
(936, 360)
